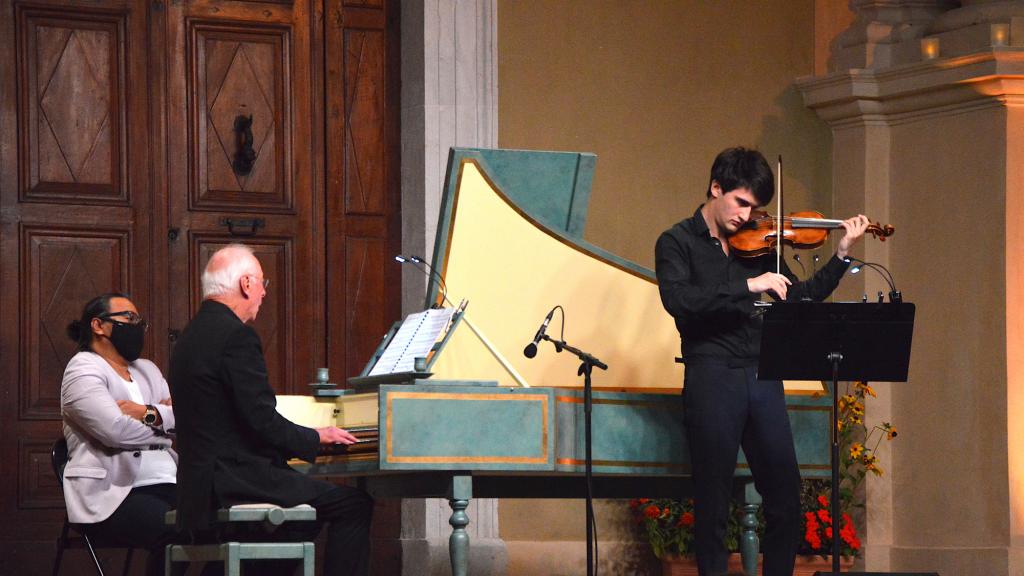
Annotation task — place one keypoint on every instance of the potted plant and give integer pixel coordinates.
(667, 525)
(857, 458)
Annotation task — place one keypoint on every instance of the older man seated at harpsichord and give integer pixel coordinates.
(233, 443)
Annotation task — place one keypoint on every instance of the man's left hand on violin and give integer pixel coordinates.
(855, 228)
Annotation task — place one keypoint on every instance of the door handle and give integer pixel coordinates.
(243, 226)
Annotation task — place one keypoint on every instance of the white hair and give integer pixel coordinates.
(226, 268)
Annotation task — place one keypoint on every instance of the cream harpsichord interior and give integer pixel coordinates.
(510, 243)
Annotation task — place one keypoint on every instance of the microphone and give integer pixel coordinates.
(796, 258)
(894, 294)
(440, 279)
(418, 263)
(531, 349)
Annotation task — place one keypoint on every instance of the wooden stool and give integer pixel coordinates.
(232, 553)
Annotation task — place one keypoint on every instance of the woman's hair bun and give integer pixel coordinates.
(75, 330)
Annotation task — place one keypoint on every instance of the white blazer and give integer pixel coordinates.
(104, 445)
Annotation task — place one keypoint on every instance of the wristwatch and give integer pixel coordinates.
(149, 418)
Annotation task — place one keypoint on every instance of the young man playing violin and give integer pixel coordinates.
(710, 292)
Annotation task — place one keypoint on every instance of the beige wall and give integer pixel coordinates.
(656, 89)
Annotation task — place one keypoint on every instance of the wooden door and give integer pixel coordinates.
(229, 63)
(75, 221)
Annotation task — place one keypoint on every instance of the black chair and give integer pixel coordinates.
(59, 458)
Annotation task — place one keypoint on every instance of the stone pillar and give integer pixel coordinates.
(449, 98)
(926, 129)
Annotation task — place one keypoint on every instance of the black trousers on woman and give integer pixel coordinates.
(726, 407)
(139, 523)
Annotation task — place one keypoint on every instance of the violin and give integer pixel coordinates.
(802, 230)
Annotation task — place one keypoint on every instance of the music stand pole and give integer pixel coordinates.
(835, 358)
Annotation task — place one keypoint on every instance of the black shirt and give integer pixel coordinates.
(706, 292)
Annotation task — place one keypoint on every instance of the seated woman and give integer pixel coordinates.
(120, 476)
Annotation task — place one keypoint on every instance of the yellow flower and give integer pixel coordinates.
(865, 389)
(856, 449)
(845, 401)
(890, 431)
(873, 469)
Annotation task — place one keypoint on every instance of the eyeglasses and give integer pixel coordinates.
(129, 318)
(266, 281)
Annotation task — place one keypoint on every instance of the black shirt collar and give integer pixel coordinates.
(697, 225)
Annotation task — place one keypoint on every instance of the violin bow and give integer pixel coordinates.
(779, 229)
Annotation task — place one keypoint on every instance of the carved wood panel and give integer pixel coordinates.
(37, 484)
(274, 321)
(365, 259)
(240, 72)
(71, 67)
(64, 267)
(365, 129)
(362, 195)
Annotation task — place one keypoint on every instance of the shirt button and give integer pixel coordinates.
(137, 454)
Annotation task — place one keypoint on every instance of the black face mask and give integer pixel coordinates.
(128, 339)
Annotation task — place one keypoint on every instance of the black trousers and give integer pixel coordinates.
(725, 408)
(139, 522)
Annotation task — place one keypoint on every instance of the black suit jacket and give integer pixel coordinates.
(233, 445)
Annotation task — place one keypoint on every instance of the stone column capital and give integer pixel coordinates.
(902, 92)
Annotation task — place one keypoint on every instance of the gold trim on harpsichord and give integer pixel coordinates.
(801, 466)
(802, 408)
(670, 466)
(635, 403)
(348, 457)
(542, 398)
(525, 216)
(647, 404)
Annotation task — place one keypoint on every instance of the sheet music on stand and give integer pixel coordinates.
(415, 338)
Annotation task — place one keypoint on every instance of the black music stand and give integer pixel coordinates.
(849, 341)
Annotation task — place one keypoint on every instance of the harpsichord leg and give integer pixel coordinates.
(459, 493)
(749, 545)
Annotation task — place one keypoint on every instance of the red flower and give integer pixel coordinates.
(634, 503)
(823, 515)
(822, 501)
(686, 519)
(828, 532)
(652, 511)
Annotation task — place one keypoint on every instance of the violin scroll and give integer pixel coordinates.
(879, 231)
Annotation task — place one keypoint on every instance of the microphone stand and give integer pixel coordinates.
(588, 363)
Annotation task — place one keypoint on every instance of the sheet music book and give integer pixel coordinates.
(414, 339)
